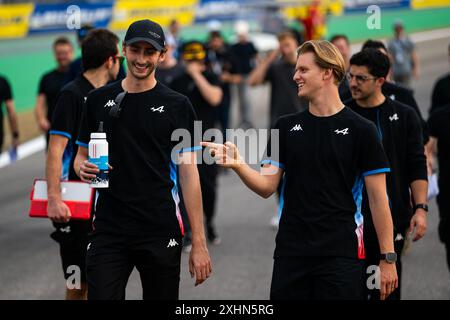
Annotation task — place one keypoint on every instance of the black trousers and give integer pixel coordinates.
(73, 239)
(208, 182)
(444, 221)
(111, 259)
(317, 278)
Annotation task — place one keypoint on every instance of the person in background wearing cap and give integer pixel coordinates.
(247, 54)
(76, 67)
(202, 87)
(137, 220)
(100, 54)
(223, 63)
(405, 61)
(51, 83)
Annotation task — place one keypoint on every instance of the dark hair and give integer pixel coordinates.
(83, 31)
(339, 36)
(376, 62)
(287, 34)
(215, 34)
(61, 41)
(374, 44)
(97, 47)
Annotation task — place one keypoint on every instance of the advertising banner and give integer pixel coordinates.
(362, 5)
(59, 17)
(160, 11)
(425, 4)
(14, 20)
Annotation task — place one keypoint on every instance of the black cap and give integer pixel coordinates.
(148, 31)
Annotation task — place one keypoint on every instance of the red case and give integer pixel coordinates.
(79, 210)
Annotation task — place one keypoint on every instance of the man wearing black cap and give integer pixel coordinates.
(137, 221)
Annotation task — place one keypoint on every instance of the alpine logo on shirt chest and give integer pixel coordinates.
(394, 117)
(159, 109)
(342, 131)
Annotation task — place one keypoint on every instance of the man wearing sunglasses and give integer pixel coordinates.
(100, 59)
(399, 130)
(137, 220)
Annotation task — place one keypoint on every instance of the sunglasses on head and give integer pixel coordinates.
(117, 107)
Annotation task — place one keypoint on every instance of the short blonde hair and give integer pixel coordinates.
(327, 56)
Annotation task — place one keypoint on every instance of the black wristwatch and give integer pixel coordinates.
(423, 206)
(390, 257)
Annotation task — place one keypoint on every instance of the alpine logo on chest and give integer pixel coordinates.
(159, 109)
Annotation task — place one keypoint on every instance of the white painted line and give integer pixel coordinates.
(24, 150)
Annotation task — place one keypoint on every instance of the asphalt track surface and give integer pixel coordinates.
(30, 266)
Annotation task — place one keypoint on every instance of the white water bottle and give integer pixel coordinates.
(98, 155)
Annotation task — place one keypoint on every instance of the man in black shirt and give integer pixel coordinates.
(246, 52)
(101, 60)
(440, 144)
(278, 71)
(7, 97)
(51, 83)
(395, 91)
(202, 87)
(324, 157)
(223, 63)
(137, 219)
(342, 42)
(76, 66)
(441, 91)
(399, 130)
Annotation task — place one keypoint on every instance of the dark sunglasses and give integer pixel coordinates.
(117, 108)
